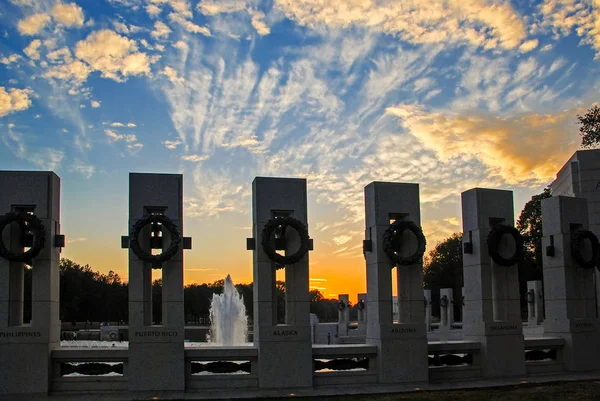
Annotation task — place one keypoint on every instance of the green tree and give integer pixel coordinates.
(590, 127)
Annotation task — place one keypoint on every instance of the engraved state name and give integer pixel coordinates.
(503, 327)
(21, 334)
(403, 330)
(584, 325)
(285, 333)
(163, 333)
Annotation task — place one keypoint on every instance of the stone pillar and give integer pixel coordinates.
(156, 353)
(492, 299)
(285, 350)
(580, 177)
(535, 303)
(25, 349)
(343, 314)
(427, 302)
(446, 312)
(462, 305)
(569, 289)
(362, 314)
(402, 346)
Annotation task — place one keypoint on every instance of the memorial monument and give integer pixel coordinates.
(279, 223)
(571, 255)
(30, 218)
(492, 247)
(156, 351)
(393, 237)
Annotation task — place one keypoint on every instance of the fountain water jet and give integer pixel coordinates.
(228, 321)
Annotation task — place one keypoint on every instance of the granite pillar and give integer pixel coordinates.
(25, 349)
(402, 346)
(492, 301)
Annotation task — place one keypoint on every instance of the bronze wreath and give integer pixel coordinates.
(361, 305)
(341, 306)
(444, 301)
(268, 244)
(493, 240)
(36, 228)
(156, 260)
(577, 239)
(391, 242)
(530, 296)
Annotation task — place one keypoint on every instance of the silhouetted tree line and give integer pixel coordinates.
(88, 295)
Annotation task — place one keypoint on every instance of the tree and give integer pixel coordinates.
(529, 225)
(590, 127)
(443, 265)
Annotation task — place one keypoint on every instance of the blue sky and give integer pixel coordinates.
(449, 94)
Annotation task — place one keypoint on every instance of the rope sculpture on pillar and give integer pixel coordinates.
(30, 225)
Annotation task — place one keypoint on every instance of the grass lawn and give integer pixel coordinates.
(583, 390)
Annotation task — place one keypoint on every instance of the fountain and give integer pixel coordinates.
(228, 321)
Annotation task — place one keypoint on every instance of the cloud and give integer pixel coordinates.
(171, 144)
(76, 72)
(181, 45)
(80, 167)
(115, 56)
(161, 30)
(170, 73)
(189, 25)
(73, 240)
(33, 24)
(63, 54)
(565, 17)
(33, 49)
(44, 158)
(69, 15)
(132, 145)
(14, 100)
(258, 23)
(118, 124)
(502, 144)
(342, 239)
(214, 192)
(95, 104)
(476, 22)
(153, 10)
(211, 7)
(13, 58)
(528, 46)
(194, 158)
(114, 137)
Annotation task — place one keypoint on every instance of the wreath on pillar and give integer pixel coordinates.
(30, 223)
(493, 241)
(530, 296)
(392, 241)
(268, 242)
(341, 306)
(577, 239)
(361, 305)
(146, 256)
(444, 301)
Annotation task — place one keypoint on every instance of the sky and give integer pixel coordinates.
(450, 94)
